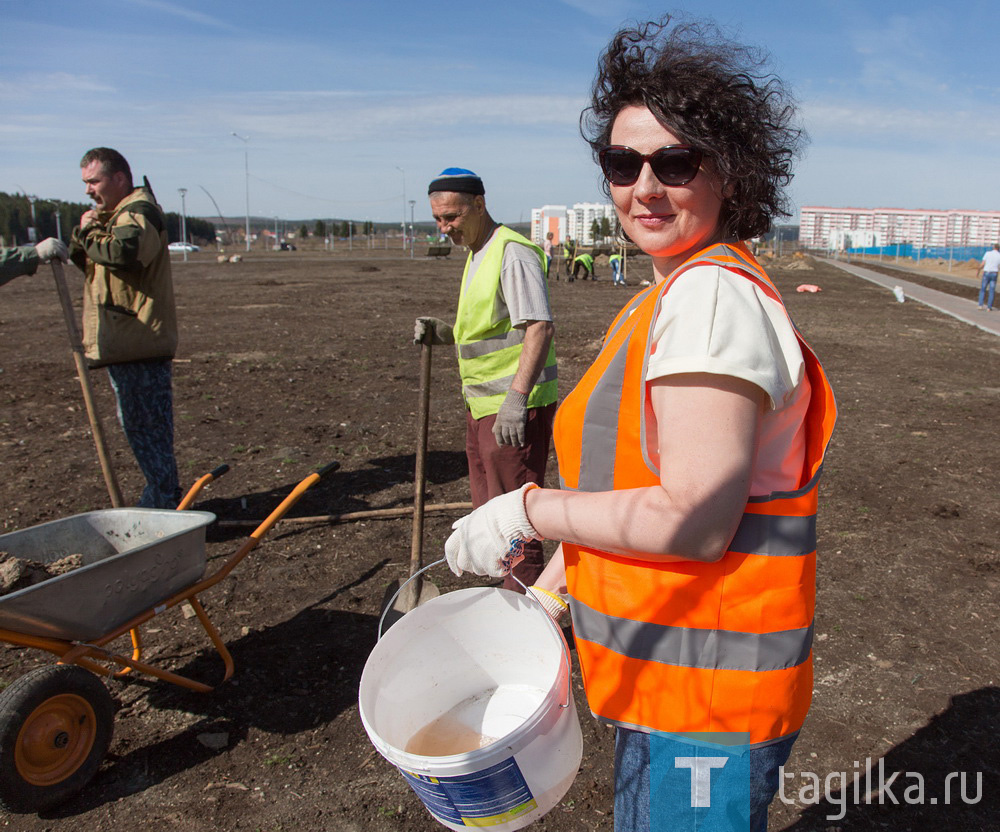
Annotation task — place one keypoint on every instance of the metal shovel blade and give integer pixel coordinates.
(419, 592)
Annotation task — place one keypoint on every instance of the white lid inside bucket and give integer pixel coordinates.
(485, 655)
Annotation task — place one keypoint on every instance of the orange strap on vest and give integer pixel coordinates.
(690, 647)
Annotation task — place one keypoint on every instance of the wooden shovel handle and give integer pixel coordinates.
(81, 371)
(420, 468)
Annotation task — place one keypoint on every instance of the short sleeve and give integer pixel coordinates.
(716, 321)
(522, 285)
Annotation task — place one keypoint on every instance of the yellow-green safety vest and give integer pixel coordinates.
(488, 352)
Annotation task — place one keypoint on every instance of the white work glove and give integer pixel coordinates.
(511, 419)
(555, 605)
(490, 540)
(441, 333)
(51, 249)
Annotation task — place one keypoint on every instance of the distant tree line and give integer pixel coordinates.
(199, 231)
(16, 219)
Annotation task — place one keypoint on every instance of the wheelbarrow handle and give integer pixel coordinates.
(329, 468)
(199, 484)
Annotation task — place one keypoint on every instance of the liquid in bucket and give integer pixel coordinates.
(445, 736)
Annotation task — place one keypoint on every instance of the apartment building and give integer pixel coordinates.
(841, 228)
(549, 218)
(576, 223)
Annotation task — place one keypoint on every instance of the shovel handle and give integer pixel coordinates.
(110, 481)
(420, 470)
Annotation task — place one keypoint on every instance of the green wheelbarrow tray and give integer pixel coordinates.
(134, 558)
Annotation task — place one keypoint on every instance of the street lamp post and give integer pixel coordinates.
(404, 204)
(33, 231)
(412, 203)
(246, 170)
(184, 236)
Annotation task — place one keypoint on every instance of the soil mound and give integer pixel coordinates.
(20, 573)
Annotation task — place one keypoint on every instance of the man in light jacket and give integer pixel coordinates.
(129, 317)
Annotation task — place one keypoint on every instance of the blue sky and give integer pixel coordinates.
(349, 105)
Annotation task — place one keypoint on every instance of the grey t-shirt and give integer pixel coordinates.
(523, 295)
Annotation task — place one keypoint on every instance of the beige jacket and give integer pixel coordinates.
(128, 297)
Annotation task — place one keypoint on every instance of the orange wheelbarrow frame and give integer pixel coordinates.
(84, 654)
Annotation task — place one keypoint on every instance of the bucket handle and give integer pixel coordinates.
(527, 592)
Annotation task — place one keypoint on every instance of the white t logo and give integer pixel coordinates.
(701, 777)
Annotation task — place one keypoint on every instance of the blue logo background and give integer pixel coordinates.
(699, 786)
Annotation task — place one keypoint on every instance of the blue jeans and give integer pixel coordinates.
(146, 412)
(616, 272)
(755, 785)
(988, 287)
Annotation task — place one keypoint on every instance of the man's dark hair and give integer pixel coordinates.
(111, 160)
(713, 94)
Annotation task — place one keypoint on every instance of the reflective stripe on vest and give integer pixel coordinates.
(690, 646)
(488, 352)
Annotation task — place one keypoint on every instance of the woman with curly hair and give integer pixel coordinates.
(690, 451)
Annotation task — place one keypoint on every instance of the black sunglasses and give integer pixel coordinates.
(675, 164)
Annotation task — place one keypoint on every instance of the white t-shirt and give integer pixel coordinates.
(715, 321)
(523, 295)
(991, 261)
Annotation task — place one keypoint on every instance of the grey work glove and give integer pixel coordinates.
(441, 333)
(511, 419)
(52, 249)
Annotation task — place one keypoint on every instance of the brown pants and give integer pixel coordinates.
(496, 469)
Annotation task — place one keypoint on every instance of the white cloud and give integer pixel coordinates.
(614, 9)
(182, 12)
(337, 116)
(32, 85)
(861, 123)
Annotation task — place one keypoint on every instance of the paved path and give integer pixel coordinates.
(962, 308)
(953, 277)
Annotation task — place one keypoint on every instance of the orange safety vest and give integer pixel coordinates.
(721, 650)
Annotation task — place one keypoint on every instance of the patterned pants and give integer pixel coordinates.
(146, 413)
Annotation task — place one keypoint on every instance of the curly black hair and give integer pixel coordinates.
(713, 94)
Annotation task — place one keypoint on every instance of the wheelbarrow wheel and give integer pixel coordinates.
(55, 728)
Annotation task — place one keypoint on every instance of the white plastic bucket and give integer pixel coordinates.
(475, 663)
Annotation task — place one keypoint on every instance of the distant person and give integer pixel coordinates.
(569, 252)
(564, 266)
(24, 260)
(584, 263)
(617, 276)
(129, 319)
(506, 357)
(547, 248)
(989, 268)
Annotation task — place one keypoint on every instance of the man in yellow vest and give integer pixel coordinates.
(506, 357)
(585, 262)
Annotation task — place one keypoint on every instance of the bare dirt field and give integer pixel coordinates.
(292, 360)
